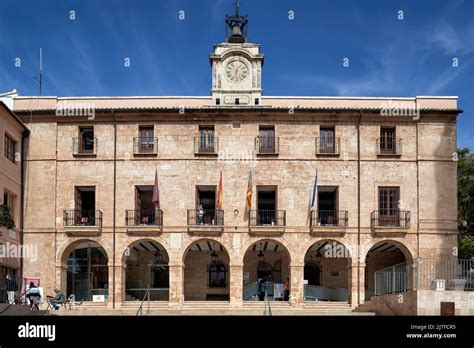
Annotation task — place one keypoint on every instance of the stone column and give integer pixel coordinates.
(356, 293)
(118, 288)
(296, 284)
(236, 281)
(176, 292)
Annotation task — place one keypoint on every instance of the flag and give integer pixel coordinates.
(315, 191)
(249, 193)
(156, 193)
(219, 194)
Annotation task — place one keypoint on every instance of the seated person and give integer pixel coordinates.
(58, 299)
(34, 296)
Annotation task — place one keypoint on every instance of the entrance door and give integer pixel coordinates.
(327, 206)
(206, 197)
(312, 274)
(264, 271)
(267, 206)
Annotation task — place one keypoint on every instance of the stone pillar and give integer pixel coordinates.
(117, 295)
(296, 284)
(61, 279)
(356, 293)
(176, 292)
(236, 281)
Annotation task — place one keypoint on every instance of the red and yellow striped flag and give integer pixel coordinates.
(249, 193)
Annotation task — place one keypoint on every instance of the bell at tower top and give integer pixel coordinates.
(237, 26)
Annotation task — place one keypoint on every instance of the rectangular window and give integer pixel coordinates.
(237, 101)
(206, 139)
(327, 140)
(86, 140)
(9, 148)
(218, 101)
(9, 200)
(387, 141)
(388, 206)
(146, 143)
(267, 139)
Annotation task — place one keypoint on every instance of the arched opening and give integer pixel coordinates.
(392, 261)
(206, 272)
(146, 268)
(266, 272)
(88, 272)
(326, 272)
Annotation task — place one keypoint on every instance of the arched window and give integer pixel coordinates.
(217, 275)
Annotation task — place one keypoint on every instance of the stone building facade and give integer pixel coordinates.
(12, 132)
(386, 190)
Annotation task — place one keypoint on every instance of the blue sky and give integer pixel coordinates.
(304, 56)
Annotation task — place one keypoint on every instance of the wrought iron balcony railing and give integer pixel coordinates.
(206, 145)
(390, 218)
(389, 147)
(329, 218)
(83, 218)
(148, 217)
(328, 147)
(145, 146)
(205, 217)
(84, 146)
(267, 145)
(267, 218)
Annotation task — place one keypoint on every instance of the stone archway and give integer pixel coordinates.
(266, 267)
(327, 272)
(146, 266)
(206, 271)
(384, 255)
(86, 271)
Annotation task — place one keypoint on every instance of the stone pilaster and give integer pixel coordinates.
(296, 284)
(356, 286)
(176, 292)
(236, 285)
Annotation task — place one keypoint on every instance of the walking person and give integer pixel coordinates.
(287, 289)
(34, 296)
(11, 286)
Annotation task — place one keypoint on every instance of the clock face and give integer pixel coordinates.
(236, 71)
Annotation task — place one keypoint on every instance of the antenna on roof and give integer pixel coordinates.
(40, 79)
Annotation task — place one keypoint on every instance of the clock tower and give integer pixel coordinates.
(236, 66)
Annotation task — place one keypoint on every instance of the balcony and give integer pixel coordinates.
(84, 147)
(208, 222)
(325, 147)
(144, 221)
(267, 146)
(267, 221)
(207, 146)
(389, 220)
(144, 146)
(83, 223)
(389, 148)
(334, 221)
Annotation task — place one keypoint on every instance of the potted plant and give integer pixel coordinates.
(6, 219)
